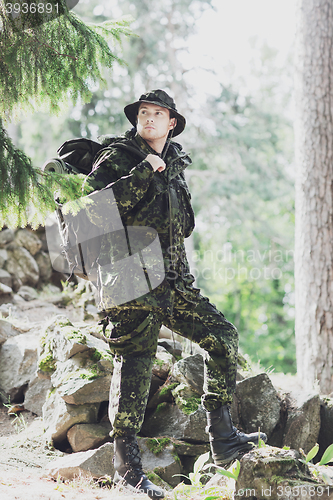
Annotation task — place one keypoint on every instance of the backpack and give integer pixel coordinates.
(80, 249)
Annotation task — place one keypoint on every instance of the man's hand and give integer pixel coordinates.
(156, 162)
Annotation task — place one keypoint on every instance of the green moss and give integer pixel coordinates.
(50, 392)
(155, 478)
(90, 373)
(96, 356)
(161, 407)
(47, 363)
(158, 362)
(156, 445)
(168, 388)
(75, 335)
(190, 405)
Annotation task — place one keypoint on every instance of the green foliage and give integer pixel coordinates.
(325, 459)
(52, 61)
(26, 193)
(241, 178)
(196, 487)
(44, 61)
(156, 445)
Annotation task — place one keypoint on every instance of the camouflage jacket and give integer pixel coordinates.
(157, 200)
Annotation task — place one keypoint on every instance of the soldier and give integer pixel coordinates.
(146, 175)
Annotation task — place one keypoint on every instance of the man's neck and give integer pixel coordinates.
(157, 145)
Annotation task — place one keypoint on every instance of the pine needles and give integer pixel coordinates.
(45, 60)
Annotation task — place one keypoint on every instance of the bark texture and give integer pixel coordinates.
(314, 201)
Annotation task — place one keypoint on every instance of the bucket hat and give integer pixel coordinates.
(160, 98)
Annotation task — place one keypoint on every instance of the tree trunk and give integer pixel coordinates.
(314, 203)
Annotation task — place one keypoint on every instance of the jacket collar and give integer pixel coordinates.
(176, 159)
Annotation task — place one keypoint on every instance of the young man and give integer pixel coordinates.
(146, 175)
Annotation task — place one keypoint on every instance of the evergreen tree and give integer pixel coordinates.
(241, 146)
(46, 56)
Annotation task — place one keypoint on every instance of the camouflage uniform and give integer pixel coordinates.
(159, 200)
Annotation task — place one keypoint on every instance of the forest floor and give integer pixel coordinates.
(23, 458)
(23, 451)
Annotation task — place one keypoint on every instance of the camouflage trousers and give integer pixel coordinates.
(134, 343)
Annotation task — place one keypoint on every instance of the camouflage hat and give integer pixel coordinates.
(160, 98)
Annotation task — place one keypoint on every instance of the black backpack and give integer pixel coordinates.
(77, 156)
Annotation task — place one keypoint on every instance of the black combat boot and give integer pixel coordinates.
(128, 466)
(226, 442)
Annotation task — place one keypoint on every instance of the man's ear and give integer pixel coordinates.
(173, 123)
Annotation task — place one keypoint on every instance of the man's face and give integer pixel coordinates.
(154, 122)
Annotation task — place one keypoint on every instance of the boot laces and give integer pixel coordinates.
(133, 456)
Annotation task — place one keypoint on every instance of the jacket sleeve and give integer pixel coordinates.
(118, 196)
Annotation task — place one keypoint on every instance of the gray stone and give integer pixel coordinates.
(172, 346)
(259, 403)
(6, 236)
(5, 292)
(190, 449)
(59, 417)
(18, 362)
(325, 437)
(35, 395)
(77, 391)
(303, 422)
(27, 293)
(44, 265)
(27, 239)
(7, 330)
(163, 363)
(164, 463)
(91, 464)
(83, 437)
(168, 420)
(66, 340)
(6, 278)
(3, 256)
(190, 371)
(22, 266)
(275, 474)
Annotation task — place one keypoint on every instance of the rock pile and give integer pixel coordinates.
(60, 368)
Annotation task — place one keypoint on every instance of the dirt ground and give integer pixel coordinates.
(23, 458)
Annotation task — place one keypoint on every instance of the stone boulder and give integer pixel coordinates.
(258, 404)
(28, 240)
(95, 464)
(91, 464)
(44, 265)
(22, 266)
(160, 458)
(3, 257)
(6, 236)
(169, 420)
(7, 330)
(162, 364)
(36, 394)
(83, 437)
(18, 361)
(59, 417)
(275, 474)
(6, 278)
(189, 371)
(325, 437)
(172, 346)
(303, 422)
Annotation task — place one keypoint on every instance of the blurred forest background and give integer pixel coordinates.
(242, 179)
